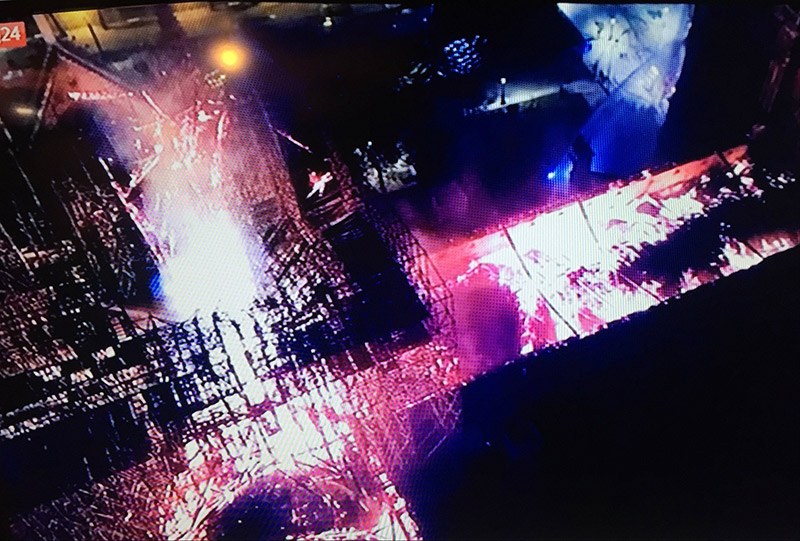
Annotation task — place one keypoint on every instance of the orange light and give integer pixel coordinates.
(229, 56)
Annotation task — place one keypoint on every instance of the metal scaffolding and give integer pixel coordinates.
(162, 423)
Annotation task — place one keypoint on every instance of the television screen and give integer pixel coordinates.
(399, 271)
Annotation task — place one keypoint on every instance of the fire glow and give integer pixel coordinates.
(563, 271)
(565, 268)
(185, 206)
(210, 270)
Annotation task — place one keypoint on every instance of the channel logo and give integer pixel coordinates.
(12, 35)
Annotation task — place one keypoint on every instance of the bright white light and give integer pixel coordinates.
(619, 46)
(502, 80)
(550, 175)
(211, 270)
(739, 257)
(328, 22)
(618, 232)
(24, 110)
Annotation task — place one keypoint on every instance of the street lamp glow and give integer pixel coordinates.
(229, 56)
(502, 80)
(24, 110)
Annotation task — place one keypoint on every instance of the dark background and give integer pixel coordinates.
(727, 55)
(680, 423)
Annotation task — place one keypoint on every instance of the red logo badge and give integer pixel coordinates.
(12, 35)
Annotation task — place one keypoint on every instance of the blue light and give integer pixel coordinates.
(462, 55)
(562, 170)
(155, 286)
